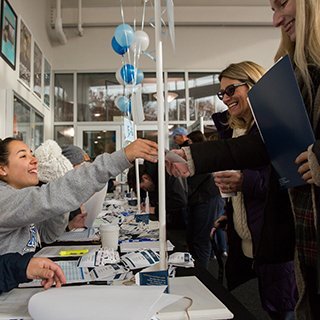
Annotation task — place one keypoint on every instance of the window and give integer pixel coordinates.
(190, 95)
(27, 123)
(202, 88)
(96, 94)
(176, 97)
(63, 97)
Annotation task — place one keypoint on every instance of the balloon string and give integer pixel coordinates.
(125, 34)
(124, 84)
(121, 11)
(134, 45)
(143, 14)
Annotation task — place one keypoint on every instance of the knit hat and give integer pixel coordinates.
(180, 131)
(73, 153)
(51, 163)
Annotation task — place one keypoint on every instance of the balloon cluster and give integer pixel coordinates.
(124, 40)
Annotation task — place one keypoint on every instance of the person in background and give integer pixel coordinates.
(16, 268)
(24, 205)
(77, 157)
(246, 212)
(203, 205)
(86, 157)
(52, 164)
(179, 136)
(218, 235)
(74, 154)
(176, 198)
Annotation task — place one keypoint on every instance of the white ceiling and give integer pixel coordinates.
(177, 3)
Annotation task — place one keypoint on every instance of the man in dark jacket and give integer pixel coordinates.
(176, 192)
(16, 268)
(176, 200)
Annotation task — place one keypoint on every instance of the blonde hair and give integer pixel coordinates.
(248, 72)
(305, 51)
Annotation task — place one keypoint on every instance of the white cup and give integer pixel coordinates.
(109, 234)
(227, 194)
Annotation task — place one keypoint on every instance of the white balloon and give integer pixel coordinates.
(141, 40)
(118, 76)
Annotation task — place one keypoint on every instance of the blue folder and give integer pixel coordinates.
(281, 117)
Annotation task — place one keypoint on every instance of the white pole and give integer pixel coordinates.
(136, 163)
(161, 166)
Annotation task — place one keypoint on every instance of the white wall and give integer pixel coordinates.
(33, 13)
(197, 48)
(211, 46)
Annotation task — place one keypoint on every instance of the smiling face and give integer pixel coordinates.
(284, 16)
(22, 168)
(237, 104)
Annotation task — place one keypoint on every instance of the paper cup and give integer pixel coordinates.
(109, 234)
(227, 195)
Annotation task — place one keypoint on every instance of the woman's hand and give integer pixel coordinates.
(304, 167)
(178, 169)
(228, 181)
(47, 270)
(180, 152)
(176, 164)
(77, 221)
(142, 148)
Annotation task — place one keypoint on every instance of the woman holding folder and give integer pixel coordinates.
(299, 22)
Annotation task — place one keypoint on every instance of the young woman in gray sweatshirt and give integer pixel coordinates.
(27, 211)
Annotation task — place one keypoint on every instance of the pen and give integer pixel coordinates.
(139, 240)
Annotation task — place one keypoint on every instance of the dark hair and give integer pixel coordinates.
(4, 150)
(148, 168)
(196, 136)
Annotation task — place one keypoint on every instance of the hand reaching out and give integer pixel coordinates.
(142, 148)
(176, 164)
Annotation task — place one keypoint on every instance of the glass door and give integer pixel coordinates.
(97, 139)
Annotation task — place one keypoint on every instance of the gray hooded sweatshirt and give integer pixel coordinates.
(25, 212)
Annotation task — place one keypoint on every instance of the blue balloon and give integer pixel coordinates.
(117, 48)
(122, 103)
(127, 73)
(140, 76)
(124, 35)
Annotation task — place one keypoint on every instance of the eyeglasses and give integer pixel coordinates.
(229, 90)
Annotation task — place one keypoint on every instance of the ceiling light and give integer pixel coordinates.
(170, 97)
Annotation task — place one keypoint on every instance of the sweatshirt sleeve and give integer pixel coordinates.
(22, 207)
(53, 228)
(13, 268)
(245, 152)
